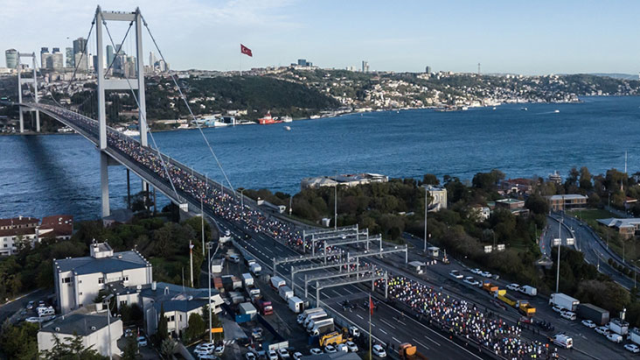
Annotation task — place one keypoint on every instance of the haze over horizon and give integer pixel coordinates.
(533, 39)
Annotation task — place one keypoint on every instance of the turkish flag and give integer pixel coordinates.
(245, 50)
(370, 305)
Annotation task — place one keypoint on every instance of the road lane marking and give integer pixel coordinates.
(421, 344)
(386, 322)
(396, 339)
(433, 341)
(361, 318)
(384, 332)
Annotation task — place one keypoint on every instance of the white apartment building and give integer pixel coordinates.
(78, 280)
(438, 197)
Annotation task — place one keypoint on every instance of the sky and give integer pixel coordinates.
(522, 37)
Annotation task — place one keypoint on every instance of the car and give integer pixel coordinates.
(128, 333)
(207, 357)
(31, 304)
(219, 350)
(379, 351)
(142, 341)
(365, 304)
(486, 274)
(297, 355)
(235, 258)
(632, 347)
(250, 356)
(476, 271)
(315, 351)
(33, 320)
(602, 330)
(513, 287)
(588, 323)
(283, 353)
(204, 348)
(273, 355)
(330, 349)
(347, 305)
(569, 315)
(456, 274)
(352, 346)
(614, 337)
(557, 309)
(471, 281)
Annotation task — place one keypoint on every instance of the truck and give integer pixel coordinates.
(230, 282)
(564, 301)
(311, 317)
(217, 265)
(619, 326)
(255, 269)
(252, 291)
(302, 317)
(276, 282)
(594, 313)
(236, 297)
(317, 321)
(528, 290)
(248, 260)
(217, 283)
(264, 307)
(285, 292)
(506, 298)
(248, 309)
(634, 336)
(332, 338)
(562, 340)
(247, 279)
(322, 327)
(526, 309)
(295, 304)
(410, 352)
(488, 286)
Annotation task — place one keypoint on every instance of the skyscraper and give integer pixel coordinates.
(70, 61)
(79, 45)
(152, 59)
(82, 62)
(44, 57)
(11, 56)
(428, 70)
(110, 54)
(56, 60)
(365, 66)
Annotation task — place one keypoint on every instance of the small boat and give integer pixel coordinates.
(524, 109)
(287, 119)
(494, 108)
(288, 128)
(556, 111)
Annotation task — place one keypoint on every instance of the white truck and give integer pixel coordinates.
(321, 327)
(277, 282)
(247, 279)
(302, 317)
(285, 292)
(619, 327)
(563, 340)
(634, 336)
(528, 290)
(255, 269)
(563, 301)
(295, 304)
(314, 316)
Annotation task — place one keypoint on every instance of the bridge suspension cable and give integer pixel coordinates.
(184, 99)
(143, 118)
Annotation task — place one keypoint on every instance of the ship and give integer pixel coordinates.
(267, 120)
(287, 119)
(287, 128)
(130, 132)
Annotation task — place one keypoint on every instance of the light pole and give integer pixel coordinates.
(426, 210)
(108, 301)
(335, 204)
(209, 246)
(559, 247)
(202, 215)
(242, 199)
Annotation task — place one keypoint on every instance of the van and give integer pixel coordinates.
(234, 258)
(563, 340)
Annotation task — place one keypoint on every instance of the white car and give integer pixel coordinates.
(219, 350)
(128, 333)
(379, 351)
(557, 309)
(283, 353)
(250, 356)
(486, 274)
(204, 348)
(513, 287)
(588, 323)
(632, 347)
(614, 337)
(476, 271)
(352, 346)
(273, 355)
(456, 274)
(142, 341)
(471, 281)
(602, 330)
(297, 355)
(315, 351)
(330, 349)
(569, 315)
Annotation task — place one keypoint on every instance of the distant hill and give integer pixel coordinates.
(617, 76)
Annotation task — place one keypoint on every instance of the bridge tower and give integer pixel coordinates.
(35, 89)
(117, 84)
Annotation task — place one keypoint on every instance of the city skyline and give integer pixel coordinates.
(505, 38)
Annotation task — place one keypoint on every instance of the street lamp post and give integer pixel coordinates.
(209, 245)
(242, 199)
(426, 210)
(108, 301)
(559, 247)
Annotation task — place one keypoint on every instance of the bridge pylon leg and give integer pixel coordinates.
(104, 183)
(21, 121)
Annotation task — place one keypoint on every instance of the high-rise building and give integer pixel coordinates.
(110, 54)
(428, 70)
(55, 60)
(79, 45)
(152, 59)
(11, 57)
(82, 62)
(365, 66)
(44, 57)
(70, 60)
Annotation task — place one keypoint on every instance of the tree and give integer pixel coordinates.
(585, 179)
(168, 348)
(430, 179)
(71, 348)
(163, 327)
(196, 327)
(131, 349)
(19, 342)
(537, 204)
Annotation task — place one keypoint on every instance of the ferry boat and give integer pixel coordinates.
(268, 119)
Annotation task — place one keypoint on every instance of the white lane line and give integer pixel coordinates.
(386, 322)
(361, 318)
(335, 292)
(402, 323)
(396, 339)
(421, 344)
(384, 332)
(349, 291)
(433, 341)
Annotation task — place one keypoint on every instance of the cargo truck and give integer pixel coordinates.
(526, 308)
(596, 314)
(252, 291)
(314, 322)
(332, 338)
(247, 279)
(255, 269)
(285, 292)
(634, 336)
(295, 304)
(619, 327)
(217, 283)
(488, 286)
(322, 327)
(276, 282)
(407, 351)
(302, 317)
(506, 298)
(248, 260)
(564, 301)
(313, 316)
(264, 307)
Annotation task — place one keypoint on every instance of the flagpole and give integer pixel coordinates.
(370, 309)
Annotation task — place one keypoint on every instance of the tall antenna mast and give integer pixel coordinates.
(478, 69)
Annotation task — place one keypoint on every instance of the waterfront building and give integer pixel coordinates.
(567, 201)
(11, 57)
(438, 197)
(78, 280)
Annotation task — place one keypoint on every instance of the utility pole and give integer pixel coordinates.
(209, 244)
(559, 246)
(426, 210)
(191, 262)
(335, 204)
(202, 215)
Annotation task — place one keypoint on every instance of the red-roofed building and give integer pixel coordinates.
(20, 222)
(60, 226)
(518, 186)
